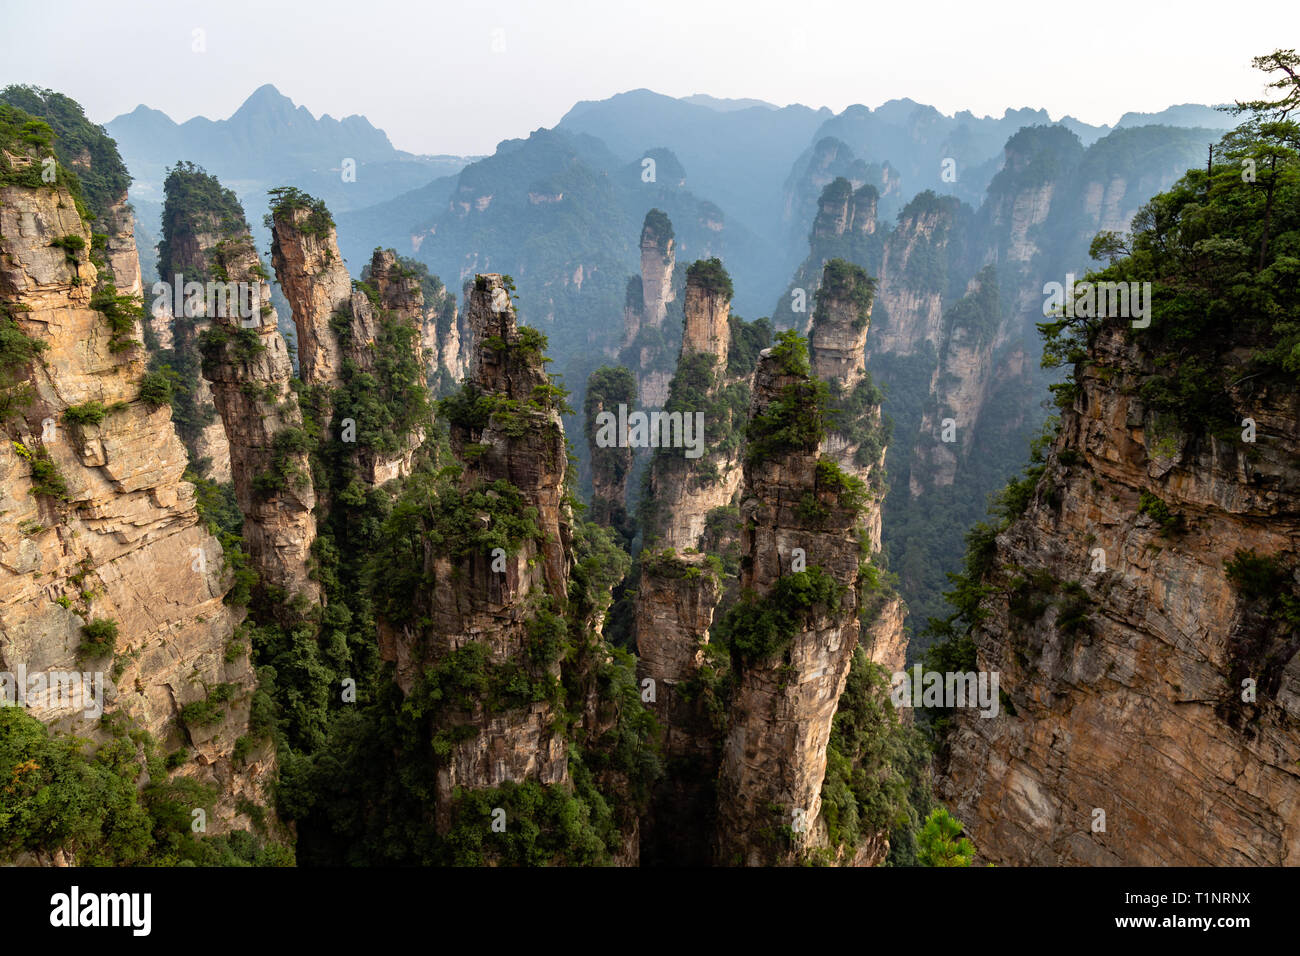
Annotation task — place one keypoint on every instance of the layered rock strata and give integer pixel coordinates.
(1123, 644)
(783, 700)
(99, 525)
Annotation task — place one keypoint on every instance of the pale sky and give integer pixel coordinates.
(428, 73)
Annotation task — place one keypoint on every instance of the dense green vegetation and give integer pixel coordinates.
(940, 842)
(122, 312)
(78, 144)
(748, 339)
(845, 280)
(758, 627)
(1222, 255)
(194, 200)
(796, 419)
(390, 399)
(711, 276)
(47, 480)
(657, 221)
(108, 805)
(17, 351)
(23, 135)
(287, 199)
(99, 637)
(877, 767)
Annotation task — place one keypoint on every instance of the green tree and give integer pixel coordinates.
(940, 842)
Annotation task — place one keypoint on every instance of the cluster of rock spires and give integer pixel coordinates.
(727, 529)
(756, 596)
(259, 427)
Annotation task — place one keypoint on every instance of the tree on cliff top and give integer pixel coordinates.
(79, 144)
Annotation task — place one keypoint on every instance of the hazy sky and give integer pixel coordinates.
(433, 75)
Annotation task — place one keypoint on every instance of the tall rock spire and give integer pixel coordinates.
(246, 361)
(793, 634)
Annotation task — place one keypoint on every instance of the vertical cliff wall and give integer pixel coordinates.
(310, 270)
(611, 454)
(246, 364)
(1122, 641)
(649, 341)
(857, 435)
(682, 490)
(484, 601)
(357, 340)
(191, 228)
(100, 533)
(1140, 594)
(793, 634)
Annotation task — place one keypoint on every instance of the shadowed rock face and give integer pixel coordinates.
(469, 599)
(774, 756)
(837, 341)
(402, 301)
(338, 323)
(186, 257)
(675, 602)
(1137, 710)
(837, 353)
(611, 464)
(126, 543)
(315, 280)
(250, 372)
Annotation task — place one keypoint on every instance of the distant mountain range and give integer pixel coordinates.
(270, 141)
(560, 209)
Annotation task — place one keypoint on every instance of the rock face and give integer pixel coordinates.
(650, 343)
(470, 601)
(399, 290)
(961, 385)
(400, 303)
(310, 270)
(706, 331)
(658, 256)
(837, 342)
(684, 490)
(447, 353)
(911, 298)
(246, 362)
(1126, 676)
(675, 602)
(124, 541)
(856, 442)
(842, 211)
(783, 702)
(182, 260)
(844, 227)
(611, 461)
(118, 223)
(342, 325)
